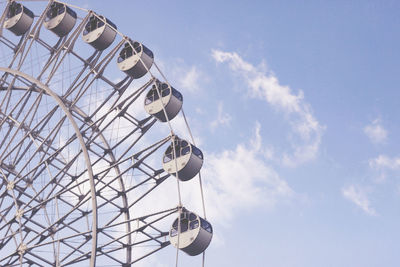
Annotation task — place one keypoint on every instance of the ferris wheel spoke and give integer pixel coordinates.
(7, 236)
(130, 146)
(32, 36)
(74, 163)
(3, 196)
(45, 228)
(7, 42)
(47, 46)
(9, 88)
(150, 253)
(6, 210)
(78, 77)
(62, 51)
(79, 84)
(137, 162)
(36, 170)
(51, 190)
(74, 250)
(119, 88)
(58, 221)
(9, 130)
(46, 142)
(12, 258)
(145, 238)
(115, 244)
(72, 237)
(4, 104)
(157, 182)
(162, 214)
(65, 189)
(23, 48)
(86, 85)
(3, 16)
(97, 132)
(37, 256)
(96, 72)
(95, 126)
(44, 149)
(32, 134)
(108, 254)
(44, 234)
(21, 126)
(6, 101)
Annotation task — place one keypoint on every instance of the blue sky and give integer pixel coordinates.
(295, 105)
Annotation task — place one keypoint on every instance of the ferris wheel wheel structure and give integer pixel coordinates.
(83, 183)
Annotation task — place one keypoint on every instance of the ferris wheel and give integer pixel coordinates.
(90, 165)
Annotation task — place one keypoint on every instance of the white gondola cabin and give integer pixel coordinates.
(99, 32)
(18, 19)
(171, 99)
(189, 159)
(135, 59)
(60, 19)
(195, 233)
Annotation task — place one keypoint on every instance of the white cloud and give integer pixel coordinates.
(375, 132)
(382, 164)
(199, 111)
(190, 79)
(222, 118)
(385, 162)
(358, 196)
(234, 180)
(184, 77)
(265, 85)
(240, 179)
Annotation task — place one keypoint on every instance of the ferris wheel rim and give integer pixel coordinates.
(69, 106)
(111, 155)
(62, 105)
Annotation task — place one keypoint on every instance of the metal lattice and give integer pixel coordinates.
(78, 161)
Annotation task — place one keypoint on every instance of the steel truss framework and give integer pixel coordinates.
(74, 164)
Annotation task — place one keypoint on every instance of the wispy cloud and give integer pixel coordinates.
(190, 79)
(358, 196)
(234, 180)
(240, 179)
(384, 162)
(375, 132)
(265, 85)
(222, 118)
(186, 78)
(183, 76)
